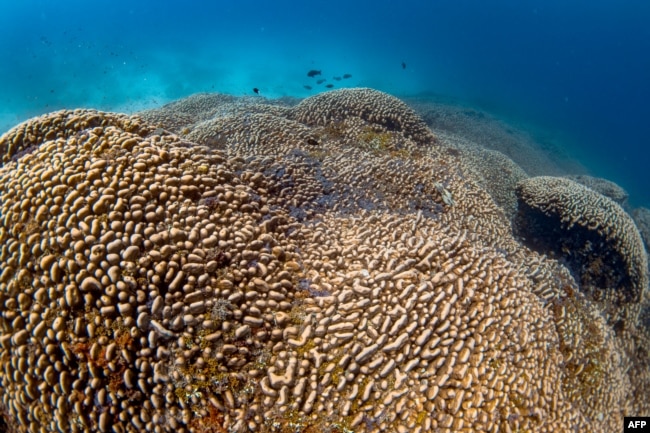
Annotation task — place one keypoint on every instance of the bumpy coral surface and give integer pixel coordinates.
(603, 186)
(493, 170)
(181, 116)
(594, 233)
(27, 136)
(370, 105)
(325, 267)
(642, 220)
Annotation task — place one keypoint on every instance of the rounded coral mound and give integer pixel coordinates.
(604, 187)
(370, 105)
(182, 115)
(151, 284)
(252, 133)
(595, 235)
(494, 171)
(27, 136)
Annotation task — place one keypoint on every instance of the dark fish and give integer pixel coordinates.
(256, 90)
(313, 73)
(329, 86)
(337, 78)
(312, 142)
(321, 81)
(346, 76)
(403, 65)
(307, 87)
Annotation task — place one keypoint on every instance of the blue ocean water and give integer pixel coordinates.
(576, 71)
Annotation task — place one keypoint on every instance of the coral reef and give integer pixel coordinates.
(597, 238)
(367, 104)
(253, 132)
(604, 187)
(536, 155)
(642, 219)
(27, 136)
(180, 116)
(494, 171)
(330, 266)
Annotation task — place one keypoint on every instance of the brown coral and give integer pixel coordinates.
(370, 105)
(642, 219)
(594, 379)
(593, 233)
(603, 186)
(252, 133)
(275, 285)
(25, 137)
(181, 116)
(494, 171)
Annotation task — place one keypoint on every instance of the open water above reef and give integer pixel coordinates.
(574, 75)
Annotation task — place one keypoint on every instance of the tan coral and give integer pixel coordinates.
(253, 133)
(181, 116)
(101, 245)
(25, 137)
(593, 232)
(470, 337)
(494, 171)
(368, 104)
(603, 186)
(594, 362)
(149, 284)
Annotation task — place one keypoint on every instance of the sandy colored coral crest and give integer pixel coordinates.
(221, 264)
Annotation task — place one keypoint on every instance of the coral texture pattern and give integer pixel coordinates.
(227, 265)
(591, 230)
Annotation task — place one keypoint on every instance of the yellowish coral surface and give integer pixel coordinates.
(227, 265)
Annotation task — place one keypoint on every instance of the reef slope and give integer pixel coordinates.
(226, 265)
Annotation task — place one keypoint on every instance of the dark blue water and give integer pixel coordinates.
(577, 71)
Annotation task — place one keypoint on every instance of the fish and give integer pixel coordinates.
(307, 87)
(329, 86)
(403, 65)
(444, 193)
(256, 90)
(337, 78)
(313, 73)
(321, 81)
(346, 76)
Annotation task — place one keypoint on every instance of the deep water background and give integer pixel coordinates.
(576, 74)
